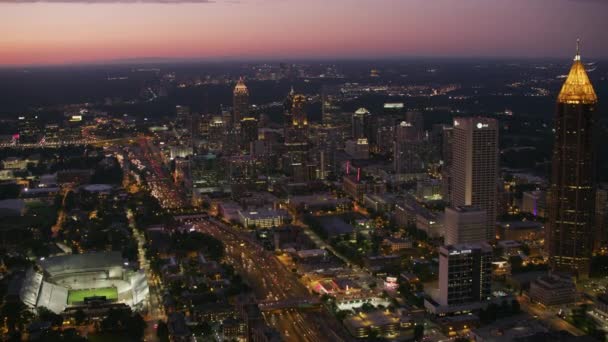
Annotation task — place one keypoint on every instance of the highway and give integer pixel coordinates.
(159, 181)
(271, 281)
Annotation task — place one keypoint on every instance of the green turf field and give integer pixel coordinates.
(78, 296)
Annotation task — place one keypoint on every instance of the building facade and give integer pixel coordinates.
(572, 192)
(465, 224)
(240, 102)
(475, 167)
(465, 273)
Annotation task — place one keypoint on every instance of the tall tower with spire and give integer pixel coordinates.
(240, 102)
(570, 230)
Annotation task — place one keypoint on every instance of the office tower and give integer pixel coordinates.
(601, 219)
(572, 192)
(249, 132)
(240, 102)
(464, 224)
(417, 121)
(183, 125)
(296, 129)
(357, 148)
(296, 163)
(29, 128)
(407, 151)
(447, 138)
(361, 124)
(475, 166)
(330, 106)
(230, 143)
(465, 273)
(217, 127)
(328, 138)
(383, 143)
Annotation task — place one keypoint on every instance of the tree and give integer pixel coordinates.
(515, 307)
(46, 315)
(69, 201)
(80, 317)
(16, 315)
(367, 307)
(135, 327)
(418, 332)
(162, 331)
(373, 335)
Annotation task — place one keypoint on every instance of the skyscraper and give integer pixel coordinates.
(249, 132)
(361, 125)
(571, 198)
(296, 138)
(330, 97)
(407, 150)
(417, 121)
(475, 166)
(240, 102)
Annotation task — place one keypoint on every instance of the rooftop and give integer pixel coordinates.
(374, 318)
(578, 88)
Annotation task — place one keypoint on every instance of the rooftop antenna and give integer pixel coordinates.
(578, 50)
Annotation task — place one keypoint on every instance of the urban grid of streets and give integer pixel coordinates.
(270, 280)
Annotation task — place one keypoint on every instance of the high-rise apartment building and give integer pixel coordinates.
(475, 167)
(571, 199)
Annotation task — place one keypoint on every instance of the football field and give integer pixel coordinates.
(78, 296)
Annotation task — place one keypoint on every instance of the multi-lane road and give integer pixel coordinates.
(271, 281)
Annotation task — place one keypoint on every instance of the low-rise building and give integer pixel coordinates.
(357, 186)
(510, 248)
(520, 231)
(397, 244)
(262, 218)
(534, 202)
(553, 289)
(600, 306)
(319, 202)
(378, 203)
(387, 324)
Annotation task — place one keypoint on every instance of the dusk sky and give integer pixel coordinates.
(68, 31)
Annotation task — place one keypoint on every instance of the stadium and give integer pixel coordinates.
(73, 280)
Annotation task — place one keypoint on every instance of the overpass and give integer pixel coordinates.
(295, 303)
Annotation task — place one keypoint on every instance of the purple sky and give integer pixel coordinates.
(66, 31)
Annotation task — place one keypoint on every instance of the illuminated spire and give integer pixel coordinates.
(578, 88)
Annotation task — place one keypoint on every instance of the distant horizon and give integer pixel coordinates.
(63, 32)
(275, 60)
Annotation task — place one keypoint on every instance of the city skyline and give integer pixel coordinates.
(283, 170)
(66, 32)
